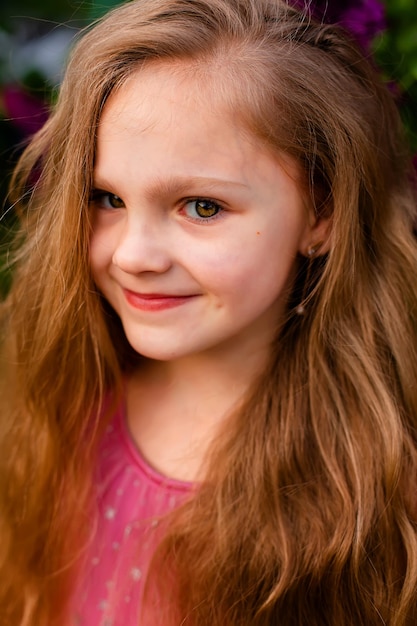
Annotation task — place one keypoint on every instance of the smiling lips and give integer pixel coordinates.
(155, 301)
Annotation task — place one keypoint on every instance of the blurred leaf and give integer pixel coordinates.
(100, 7)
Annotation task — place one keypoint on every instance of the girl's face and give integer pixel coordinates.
(196, 225)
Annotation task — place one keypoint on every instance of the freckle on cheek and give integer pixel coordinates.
(258, 232)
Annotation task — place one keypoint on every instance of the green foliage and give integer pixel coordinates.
(100, 8)
(395, 52)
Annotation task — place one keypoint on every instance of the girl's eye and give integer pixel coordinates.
(202, 209)
(106, 200)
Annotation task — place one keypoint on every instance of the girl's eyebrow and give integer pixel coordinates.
(174, 185)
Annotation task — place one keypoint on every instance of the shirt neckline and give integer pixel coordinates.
(136, 455)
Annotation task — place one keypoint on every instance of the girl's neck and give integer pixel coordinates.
(175, 408)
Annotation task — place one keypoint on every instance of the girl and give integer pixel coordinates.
(209, 349)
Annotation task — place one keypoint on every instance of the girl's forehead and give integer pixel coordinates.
(196, 107)
(186, 85)
(224, 83)
(157, 78)
(163, 122)
(159, 95)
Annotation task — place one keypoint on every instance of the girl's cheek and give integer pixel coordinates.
(101, 252)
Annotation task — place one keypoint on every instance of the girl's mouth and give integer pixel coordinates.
(155, 301)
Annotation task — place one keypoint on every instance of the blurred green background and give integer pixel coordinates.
(35, 38)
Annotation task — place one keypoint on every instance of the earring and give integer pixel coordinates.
(311, 253)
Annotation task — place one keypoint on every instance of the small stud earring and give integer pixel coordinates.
(311, 253)
(313, 249)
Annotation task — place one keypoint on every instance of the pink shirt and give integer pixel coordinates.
(131, 497)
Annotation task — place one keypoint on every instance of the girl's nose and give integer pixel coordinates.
(142, 247)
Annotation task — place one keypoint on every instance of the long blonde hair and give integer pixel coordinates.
(309, 508)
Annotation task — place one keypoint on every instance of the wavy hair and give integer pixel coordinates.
(308, 510)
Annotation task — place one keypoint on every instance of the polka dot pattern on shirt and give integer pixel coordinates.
(131, 498)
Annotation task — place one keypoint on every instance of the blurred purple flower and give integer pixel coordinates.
(365, 21)
(25, 111)
(362, 18)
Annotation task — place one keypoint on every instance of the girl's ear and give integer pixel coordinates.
(317, 237)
